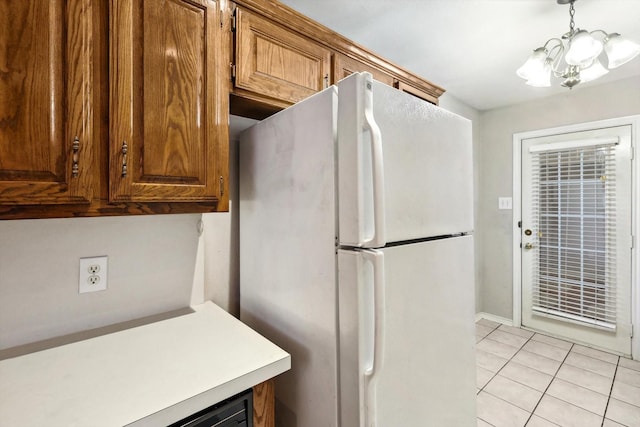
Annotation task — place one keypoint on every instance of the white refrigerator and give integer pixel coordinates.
(356, 257)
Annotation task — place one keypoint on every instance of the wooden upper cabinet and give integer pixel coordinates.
(168, 108)
(278, 63)
(46, 148)
(422, 94)
(343, 66)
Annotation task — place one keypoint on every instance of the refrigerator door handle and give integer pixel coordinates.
(373, 309)
(377, 167)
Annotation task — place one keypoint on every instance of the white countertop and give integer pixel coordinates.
(150, 375)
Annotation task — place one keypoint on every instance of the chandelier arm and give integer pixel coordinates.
(559, 41)
(555, 55)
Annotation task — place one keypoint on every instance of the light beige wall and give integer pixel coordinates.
(152, 269)
(454, 105)
(617, 99)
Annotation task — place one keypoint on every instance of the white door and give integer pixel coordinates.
(405, 166)
(576, 236)
(407, 335)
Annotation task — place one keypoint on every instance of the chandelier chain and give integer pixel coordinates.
(572, 12)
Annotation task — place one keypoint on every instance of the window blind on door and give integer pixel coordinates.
(574, 224)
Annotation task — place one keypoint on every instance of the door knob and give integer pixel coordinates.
(528, 246)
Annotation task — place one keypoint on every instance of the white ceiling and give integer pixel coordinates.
(472, 48)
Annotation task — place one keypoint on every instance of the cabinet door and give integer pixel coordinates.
(45, 102)
(273, 61)
(343, 66)
(168, 118)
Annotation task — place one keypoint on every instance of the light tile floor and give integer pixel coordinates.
(529, 379)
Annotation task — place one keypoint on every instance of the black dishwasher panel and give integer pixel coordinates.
(237, 411)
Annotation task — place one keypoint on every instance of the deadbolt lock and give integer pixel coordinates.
(527, 232)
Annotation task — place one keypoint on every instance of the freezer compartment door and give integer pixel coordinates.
(405, 166)
(407, 335)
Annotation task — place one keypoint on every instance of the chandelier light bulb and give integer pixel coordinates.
(620, 50)
(594, 71)
(583, 49)
(534, 65)
(542, 77)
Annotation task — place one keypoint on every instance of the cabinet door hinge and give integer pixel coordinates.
(233, 71)
(221, 186)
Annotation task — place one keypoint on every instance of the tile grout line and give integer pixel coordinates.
(508, 360)
(581, 386)
(613, 380)
(485, 421)
(608, 396)
(494, 375)
(554, 376)
(498, 371)
(481, 339)
(549, 385)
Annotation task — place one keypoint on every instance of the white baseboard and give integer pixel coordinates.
(494, 318)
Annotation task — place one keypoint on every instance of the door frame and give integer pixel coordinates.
(634, 122)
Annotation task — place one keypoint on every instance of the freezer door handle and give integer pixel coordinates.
(377, 168)
(373, 306)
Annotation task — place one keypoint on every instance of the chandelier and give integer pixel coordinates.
(574, 57)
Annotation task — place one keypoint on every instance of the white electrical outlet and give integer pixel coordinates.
(93, 274)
